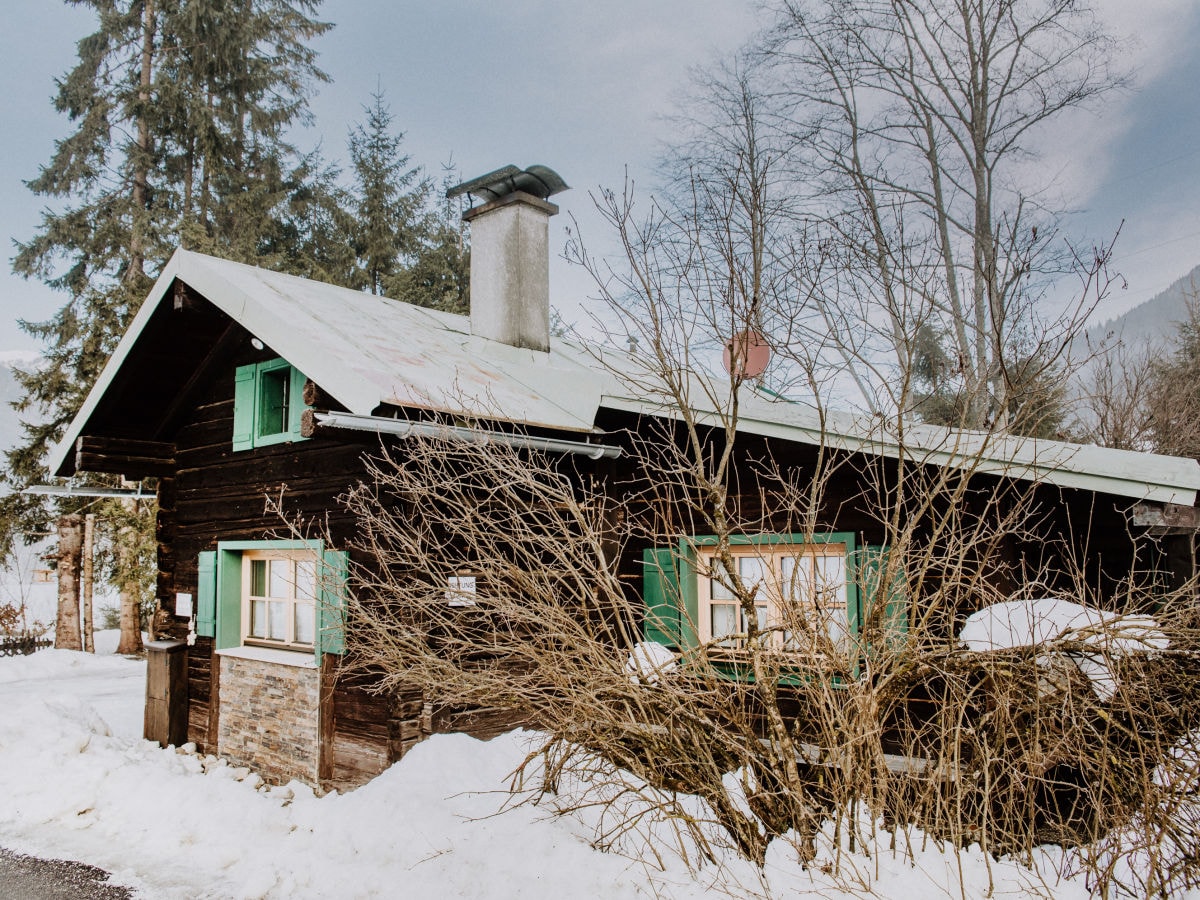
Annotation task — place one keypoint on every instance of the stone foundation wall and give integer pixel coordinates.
(270, 718)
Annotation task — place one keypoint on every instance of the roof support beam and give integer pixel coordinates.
(123, 456)
(1167, 518)
(314, 420)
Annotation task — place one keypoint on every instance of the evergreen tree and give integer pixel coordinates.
(439, 277)
(178, 110)
(390, 199)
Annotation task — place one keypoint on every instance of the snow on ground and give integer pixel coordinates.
(1045, 620)
(80, 784)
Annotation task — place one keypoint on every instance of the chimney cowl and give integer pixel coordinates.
(510, 255)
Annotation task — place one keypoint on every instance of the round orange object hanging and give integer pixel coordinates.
(746, 354)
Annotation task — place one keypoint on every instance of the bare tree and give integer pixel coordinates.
(494, 576)
(919, 120)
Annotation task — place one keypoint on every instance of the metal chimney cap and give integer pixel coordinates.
(540, 181)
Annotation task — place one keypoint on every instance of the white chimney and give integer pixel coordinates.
(510, 255)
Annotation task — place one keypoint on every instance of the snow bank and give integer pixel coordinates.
(1036, 623)
(79, 784)
(649, 661)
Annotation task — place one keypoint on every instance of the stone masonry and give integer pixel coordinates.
(269, 718)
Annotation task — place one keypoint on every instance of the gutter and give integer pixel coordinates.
(404, 428)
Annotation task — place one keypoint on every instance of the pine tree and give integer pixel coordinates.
(390, 199)
(439, 277)
(179, 110)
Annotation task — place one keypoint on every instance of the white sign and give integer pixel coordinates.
(183, 605)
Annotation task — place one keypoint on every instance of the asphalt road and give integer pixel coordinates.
(30, 878)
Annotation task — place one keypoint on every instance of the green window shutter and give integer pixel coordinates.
(244, 403)
(206, 594)
(331, 603)
(894, 622)
(229, 599)
(660, 592)
(295, 403)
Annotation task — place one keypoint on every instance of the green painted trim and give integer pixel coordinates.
(689, 579)
(229, 599)
(247, 405)
(206, 594)
(333, 576)
(229, 583)
(315, 545)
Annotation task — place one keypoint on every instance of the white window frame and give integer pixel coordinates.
(827, 599)
(290, 603)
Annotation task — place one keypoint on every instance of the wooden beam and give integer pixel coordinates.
(1167, 518)
(123, 456)
(183, 400)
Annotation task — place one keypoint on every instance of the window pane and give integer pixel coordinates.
(258, 578)
(305, 623)
(753, 570)
(796, 573)
(281, 578)
(720, 591)
(277, 621)
(831, 580)
(258, 619)
(306, 579)
(273, 392)
(724, 622)
(760, 610)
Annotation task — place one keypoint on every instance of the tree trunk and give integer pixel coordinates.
(141, 171)
(131, 626)
(89, 531)
(131, 630)
(70, 543)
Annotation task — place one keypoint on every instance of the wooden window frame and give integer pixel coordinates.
(219, 601)
(293, 558)
(776, 586)
(691, 550)
(250, 396)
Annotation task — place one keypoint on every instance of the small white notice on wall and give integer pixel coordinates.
(183, 605)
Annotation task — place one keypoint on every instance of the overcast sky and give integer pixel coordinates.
(583, 87)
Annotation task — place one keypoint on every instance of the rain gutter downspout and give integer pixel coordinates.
(405, 428)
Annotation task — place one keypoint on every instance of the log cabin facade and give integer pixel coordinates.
(248, 394)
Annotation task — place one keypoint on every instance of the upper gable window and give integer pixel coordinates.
(266, 404)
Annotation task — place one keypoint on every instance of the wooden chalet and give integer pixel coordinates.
(235, 386)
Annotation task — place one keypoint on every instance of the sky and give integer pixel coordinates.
(586, 88)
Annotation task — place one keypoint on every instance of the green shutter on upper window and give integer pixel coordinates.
(894, 620)
(296, 403)
(206, 594)
(244, 403)
(331, 602)
(663, 618)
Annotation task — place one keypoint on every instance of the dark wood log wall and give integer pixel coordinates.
(217, 494)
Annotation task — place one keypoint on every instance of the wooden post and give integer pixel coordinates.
(70, 540)
(89, 533)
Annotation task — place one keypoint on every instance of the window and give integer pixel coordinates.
(279, 594)
(801, 593)
(289, 595)
(267, 404)
(808, 587)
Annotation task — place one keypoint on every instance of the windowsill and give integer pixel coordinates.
(301, 659)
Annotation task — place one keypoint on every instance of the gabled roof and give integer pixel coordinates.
(368, 352)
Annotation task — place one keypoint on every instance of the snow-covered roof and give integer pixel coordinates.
(367, 351)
